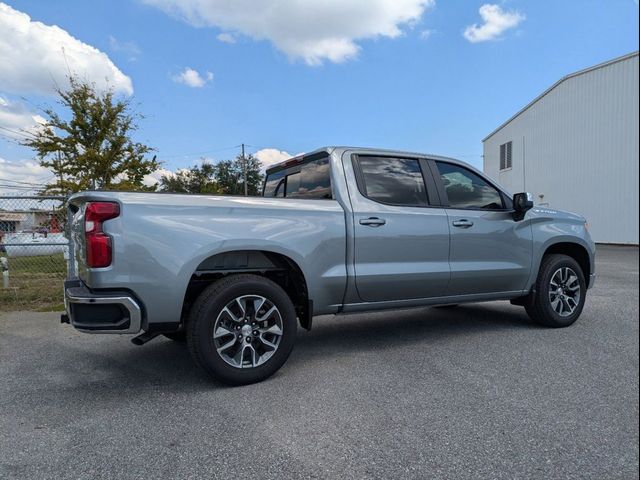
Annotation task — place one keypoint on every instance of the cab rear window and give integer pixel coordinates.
(310, 180)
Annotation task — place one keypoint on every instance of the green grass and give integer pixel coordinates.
(35, 283)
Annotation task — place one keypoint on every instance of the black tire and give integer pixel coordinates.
(179, 336)
(208, 307)
(539, 306)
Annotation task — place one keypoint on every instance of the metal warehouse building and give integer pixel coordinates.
(575, 147)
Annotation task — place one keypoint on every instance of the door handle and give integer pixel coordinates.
(462, 223)
(373, 221)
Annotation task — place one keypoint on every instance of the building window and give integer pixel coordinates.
(505, 156)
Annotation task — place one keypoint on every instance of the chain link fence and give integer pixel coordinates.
(34, 252)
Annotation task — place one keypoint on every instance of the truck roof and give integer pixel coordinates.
(362, 150)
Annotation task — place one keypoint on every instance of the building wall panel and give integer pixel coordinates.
(576, 148)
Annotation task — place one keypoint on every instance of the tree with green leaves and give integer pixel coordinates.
(92, 148)
(225, 177)
(230, 175)
(197, 179)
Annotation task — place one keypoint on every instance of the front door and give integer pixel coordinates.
(401, 245)
(490, 252)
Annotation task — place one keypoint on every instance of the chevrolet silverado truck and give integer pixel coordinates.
(336, 231)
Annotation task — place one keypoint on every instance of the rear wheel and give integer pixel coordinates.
(242, 329)
(560, 292)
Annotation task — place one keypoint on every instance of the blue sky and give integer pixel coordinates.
(404, 76)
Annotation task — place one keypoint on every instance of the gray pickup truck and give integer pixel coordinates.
(337, 230)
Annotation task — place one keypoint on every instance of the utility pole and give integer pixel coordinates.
(59, 168)
(244, 172)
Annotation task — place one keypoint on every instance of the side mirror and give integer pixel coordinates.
(521, 203)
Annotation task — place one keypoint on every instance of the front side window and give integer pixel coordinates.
(395, 181)
(465, 189)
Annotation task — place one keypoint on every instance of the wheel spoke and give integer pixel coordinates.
(230, 313)
(253, 353)
(275, 329)
(238, 358)
(227, 346)
(269, 344)
(555, 303)
(268, 314)
(242, 307)
(573, 284)
(222, 331)
(258, 302)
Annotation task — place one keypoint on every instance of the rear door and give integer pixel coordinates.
(490, 252)
(401, 240)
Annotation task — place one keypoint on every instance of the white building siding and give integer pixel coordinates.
(576, 148)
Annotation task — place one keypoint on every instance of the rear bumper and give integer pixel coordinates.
(106, 312)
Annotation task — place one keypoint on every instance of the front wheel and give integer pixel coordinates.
(242, 329)
(560, 292)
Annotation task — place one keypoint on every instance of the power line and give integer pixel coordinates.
(18, 181)
(20, 188)
(199, 153)
(18, 132)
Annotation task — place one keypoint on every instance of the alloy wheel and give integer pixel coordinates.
(564, 291)
(248, 331)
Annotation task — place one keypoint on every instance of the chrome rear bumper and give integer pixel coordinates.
(108, 312)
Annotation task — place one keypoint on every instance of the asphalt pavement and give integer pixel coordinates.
(474, 392)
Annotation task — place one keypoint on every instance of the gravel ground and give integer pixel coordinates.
(474, 392)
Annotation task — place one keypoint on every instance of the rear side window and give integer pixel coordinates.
(311, 180)
(395, 181)
(274, 185)
(315, 180)
(465, 189)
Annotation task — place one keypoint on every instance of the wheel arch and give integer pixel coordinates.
(574, 250)
(566, 246)
(276, 266)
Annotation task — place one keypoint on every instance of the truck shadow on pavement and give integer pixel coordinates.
(396, 329)
(165, 364)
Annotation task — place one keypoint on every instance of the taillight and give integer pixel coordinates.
(98, 243)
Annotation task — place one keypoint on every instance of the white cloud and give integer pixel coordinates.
(426, 34)
(16, 121)
(496, 21)
(130, 49)
(191, 78)
(154, 177)
(35, 57)
(311, 30)
(25, 177)
(226, 38)
(271, 156)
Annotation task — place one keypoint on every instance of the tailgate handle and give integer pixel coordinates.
(373, 221)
